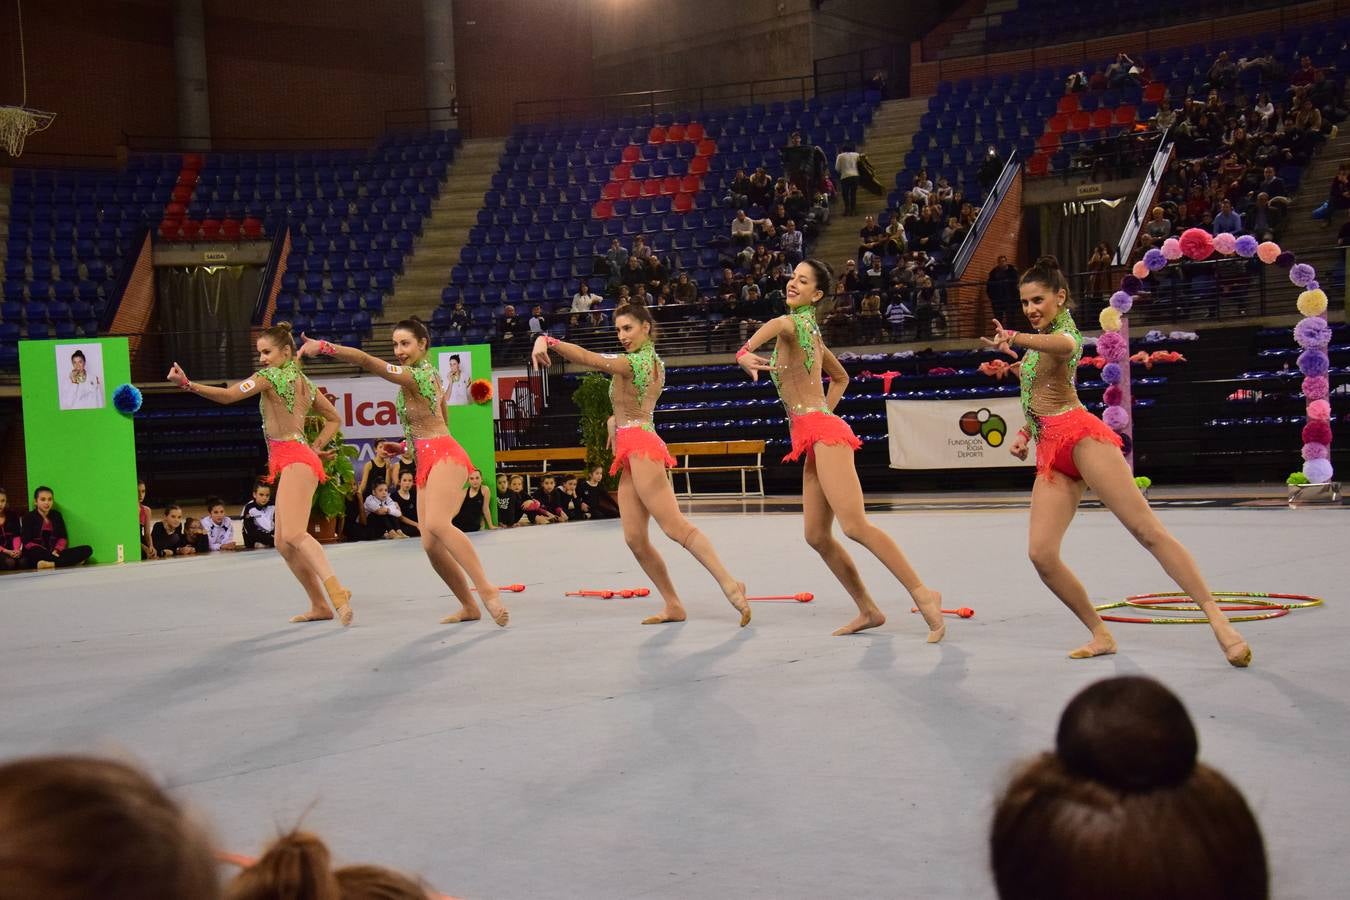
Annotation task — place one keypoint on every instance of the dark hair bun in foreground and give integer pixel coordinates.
(1129, 734)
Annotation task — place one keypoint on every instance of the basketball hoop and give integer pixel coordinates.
(18, 122)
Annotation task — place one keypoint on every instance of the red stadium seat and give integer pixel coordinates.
(193, 161)
(253, 228)
(611, 191)
(1039, 164)
(706, 148)
(651, 187)
(169, 229)
(657, 135)
(698, 165)
(682, 203)
(1048, 142)
(229, 229)
(1156, 92)
(670, 185)
(192, 229)
(1101, 118)
(1080, 121)
(1068, 103)
(175, 211)
(630, 190)
(691, 184)
(1057, 124)
(623, 172)
(675, 132)
(694, 132)
(182, 193)
(603, 210)
(210, 229)
(1126, 115)
(632, 153)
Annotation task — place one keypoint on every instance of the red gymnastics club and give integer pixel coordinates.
(964, 612)
(803, 597)
(513, 588)
(605, 595)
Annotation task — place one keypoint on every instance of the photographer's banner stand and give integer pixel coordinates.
(472, 424)
(78, 444)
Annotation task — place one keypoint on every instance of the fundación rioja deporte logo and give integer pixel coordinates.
(985, 424)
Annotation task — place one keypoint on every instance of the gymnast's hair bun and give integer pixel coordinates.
(1130, 733)
(1049, 263)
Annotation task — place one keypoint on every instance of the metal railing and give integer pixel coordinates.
(457, 116)
(1144, 202)
(857, 71)
(1106, 159)
(997, 192)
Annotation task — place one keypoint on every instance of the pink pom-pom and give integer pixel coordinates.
(1140, 270)
(1113, 396)
(1316, 451)
(1116, 418)
(1111, 345)
(1316, 387)
(1317, 433)
(1171, 248)
(1196, 243)
(1268, 252)
(1225, 243)
(1319, 411)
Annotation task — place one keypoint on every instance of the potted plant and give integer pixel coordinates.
(331, 496)
(592, 400)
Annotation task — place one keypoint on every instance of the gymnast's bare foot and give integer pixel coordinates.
(673, 612)
(315, 614)
(871, 618)
(492, 599)
(929, 603)
(1102, 644)
(468, 612)
(736, 596)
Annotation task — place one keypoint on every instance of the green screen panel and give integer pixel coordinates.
(470, 423)
(79, 445)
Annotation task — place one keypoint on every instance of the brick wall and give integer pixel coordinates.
(134, 313)
(969, 313)
(924, 76)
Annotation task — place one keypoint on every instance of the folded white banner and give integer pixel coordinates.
(955, 434)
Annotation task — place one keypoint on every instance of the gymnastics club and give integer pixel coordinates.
(803, 597)
(605, 595)
(513, 588)
(964, 612)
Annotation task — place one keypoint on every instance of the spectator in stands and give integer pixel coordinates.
(595, 500)
(893, 240)
(509, 500)
(739, 192)
(511, 329)
(546, 509)
(475, 513)
(616, 258)
(1001, 286)
(657, 275)
(1305, 76)
(147, 551)
(456, 393)
(583, 300)
(742, 229)
(1271, 184)
(1265, 110)
(869, 236)
(850, 282)
(382, 514)
(1157, 227)
(928, 315)
(169, 537)
(45, 542)
(196, 535)
(1222, 73)
(1227, 220)
(910, 208)
(846, 165)
(634, 274)
(869, 317)
(1263, 218)
(538, 321)
(406, 498)
(761, 189)
(570, 502)
(1123, 809)
(685, 291)
(11, 541)
(219, 527)
(259, 518)
(376, 471)
(80, 828)
(640, 248)
(460, 319)
(1339, 193)
(897, 315)
(1099, 273)
(790, 242)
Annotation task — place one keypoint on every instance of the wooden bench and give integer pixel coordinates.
(577, 455)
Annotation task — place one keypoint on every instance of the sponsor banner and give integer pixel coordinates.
(366, 405)
(955, 434)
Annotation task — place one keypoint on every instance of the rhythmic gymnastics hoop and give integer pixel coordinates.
(1180, 601)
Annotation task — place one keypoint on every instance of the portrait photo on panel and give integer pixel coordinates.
(455, 375)
(79, 376)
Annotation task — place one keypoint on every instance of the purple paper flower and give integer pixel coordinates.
(1313, 362)
(1121, 302)
(1246, 246)
(1131, 285)
(1316, 387)
(1312, 333)
(1154, 260)
(1116, 418)
(1318, 470)
(1126, 444)
(1316, 451)
(1111, 345)
(1302, 274)
(1286, 260)
(1224, 243)
(1111, 373)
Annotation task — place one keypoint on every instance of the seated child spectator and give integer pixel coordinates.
(260, 518)
(382, 514)
(219, 527)
(546, 495)
(406, 498)
(511, 501)
(45, 543)
(168, 537)
(1122, 809)
(11, 544)
(196, 535)
(147, 552)
(80, 828)
(594, 499)
(567, 498)
(475, 513)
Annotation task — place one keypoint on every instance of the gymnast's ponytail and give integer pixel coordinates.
(297, 867)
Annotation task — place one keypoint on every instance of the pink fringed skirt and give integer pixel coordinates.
(435, 450)
(281, 454)
(1060, 434)
(637, 441)
(809, 429)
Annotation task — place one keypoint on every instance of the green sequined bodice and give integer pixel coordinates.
(428, 389)
(283, 379)
(1062, 324)
(647, 367)
(808, 332)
